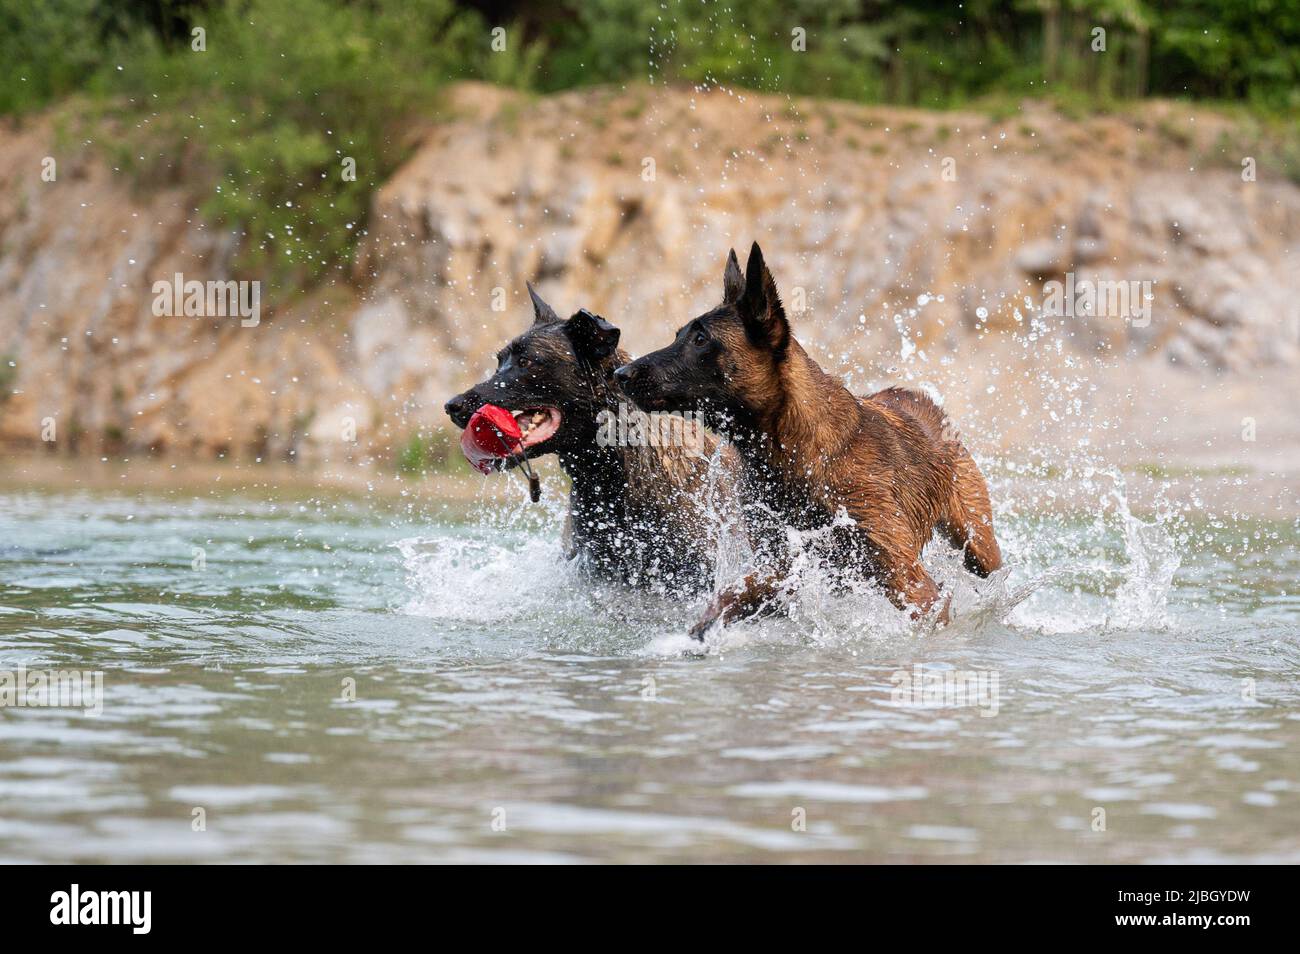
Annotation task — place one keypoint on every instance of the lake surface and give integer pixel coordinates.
(342, 681)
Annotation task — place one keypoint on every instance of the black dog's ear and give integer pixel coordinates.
(760, 306)
(733, 280)
(543, 314)
(593, 338)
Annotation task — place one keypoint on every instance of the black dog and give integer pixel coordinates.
(638, 513)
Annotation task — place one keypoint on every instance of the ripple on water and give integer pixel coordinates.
(602, 731)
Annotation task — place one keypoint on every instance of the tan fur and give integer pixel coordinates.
(890, 460)
(666, 486)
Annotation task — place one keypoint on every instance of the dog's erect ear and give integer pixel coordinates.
(593, 338)
(543, 314)
(733, 280)
(760, 306)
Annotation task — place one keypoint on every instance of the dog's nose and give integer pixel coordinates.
(625, 374)
(457, 409)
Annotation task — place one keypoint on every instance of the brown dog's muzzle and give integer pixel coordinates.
(641, 383)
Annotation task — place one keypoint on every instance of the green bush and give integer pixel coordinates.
(283, 95)
(743, 44)
(48, 49)
(8, 375)
(428, 452)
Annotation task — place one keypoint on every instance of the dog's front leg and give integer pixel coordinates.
(910, 588)
(748, 596)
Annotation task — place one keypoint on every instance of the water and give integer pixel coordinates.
(507, 711)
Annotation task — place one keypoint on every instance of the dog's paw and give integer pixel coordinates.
(945, 615)
(703, 625)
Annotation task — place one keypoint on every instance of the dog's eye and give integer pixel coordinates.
(523, 361)
(701, 339)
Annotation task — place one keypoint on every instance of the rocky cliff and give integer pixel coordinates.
(893, 234)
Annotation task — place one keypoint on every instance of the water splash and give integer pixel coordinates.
(1112, 572)
(483, 579)
(1142, 599)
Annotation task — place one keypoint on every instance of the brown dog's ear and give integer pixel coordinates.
(543, 314)
(760, 306)
(593, 338)
(733, 280)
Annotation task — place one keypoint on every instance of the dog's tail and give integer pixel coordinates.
(966, 520)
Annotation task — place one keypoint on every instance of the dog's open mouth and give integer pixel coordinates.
(537, 424)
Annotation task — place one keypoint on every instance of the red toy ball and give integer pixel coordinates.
(491, 434)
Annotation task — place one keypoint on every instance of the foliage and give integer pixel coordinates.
(285, 91)
(281, 96)
(47, 49)
(933, 52)
(425, 453)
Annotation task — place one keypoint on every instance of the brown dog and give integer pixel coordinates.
(813, 451)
